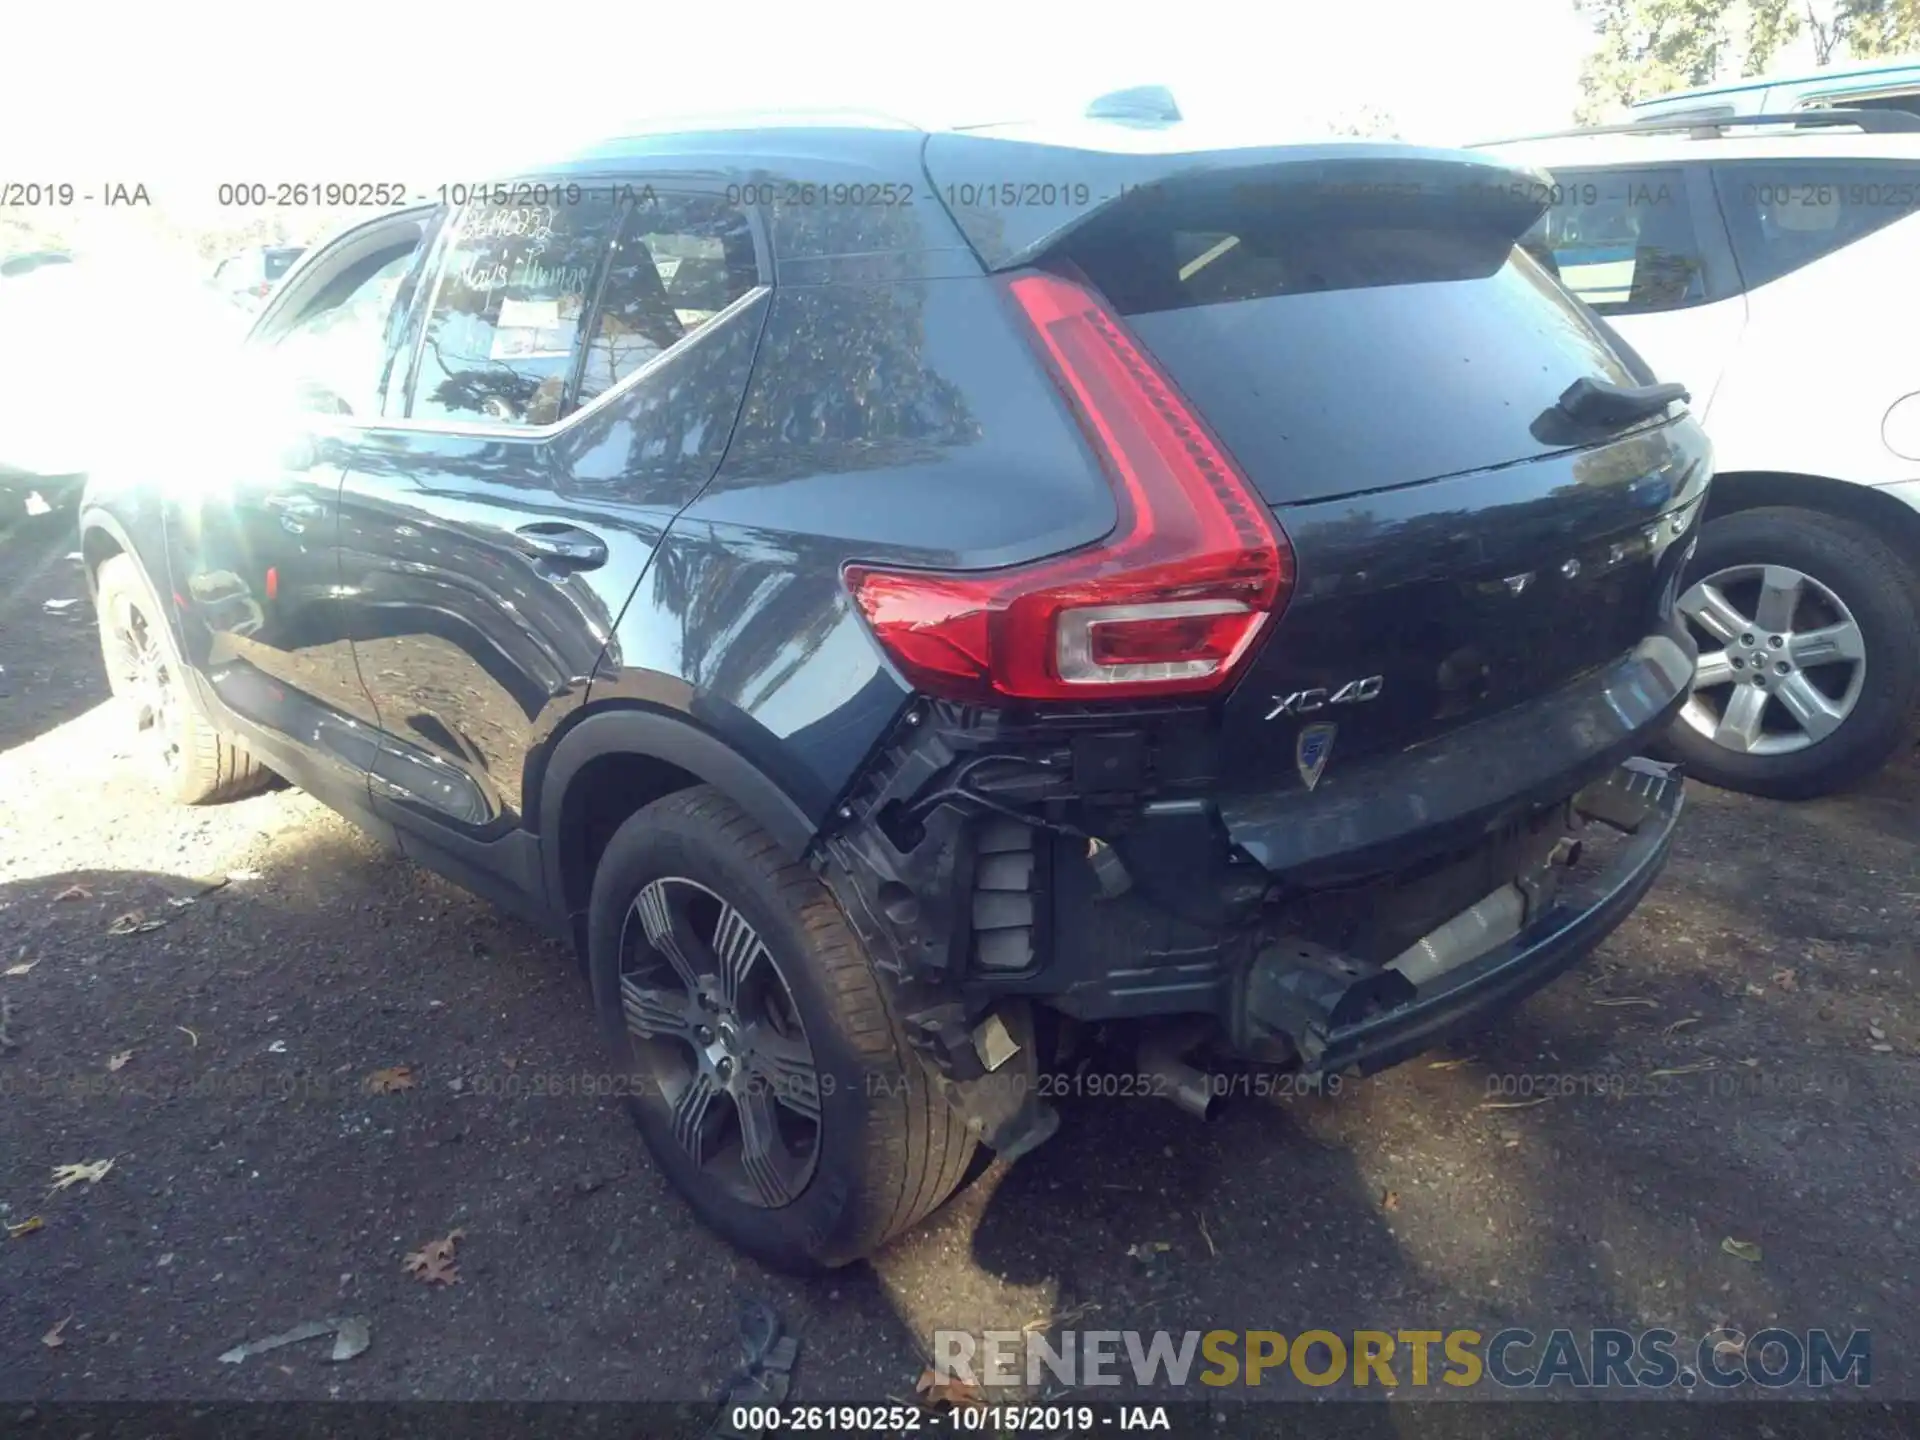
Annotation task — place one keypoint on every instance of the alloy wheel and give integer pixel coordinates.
(1782, 659)
(717, 1041)
(143, 675)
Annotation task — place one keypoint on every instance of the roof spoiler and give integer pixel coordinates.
(1706, 126)
(1016, 200)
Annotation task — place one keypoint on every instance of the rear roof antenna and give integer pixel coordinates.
(1140, 105)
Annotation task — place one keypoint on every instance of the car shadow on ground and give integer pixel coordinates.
(41, 686)
(302, 1076)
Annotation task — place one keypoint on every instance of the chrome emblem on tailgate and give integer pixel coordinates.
(1354, 692)
(1312, 751)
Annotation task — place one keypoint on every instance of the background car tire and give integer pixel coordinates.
(890, 1150)
(206, 767)
(1884, 601)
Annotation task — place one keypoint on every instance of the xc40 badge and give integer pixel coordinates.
(1305, 702)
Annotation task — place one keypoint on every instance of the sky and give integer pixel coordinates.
(182, 96)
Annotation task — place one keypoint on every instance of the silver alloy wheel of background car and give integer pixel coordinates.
(1791, 661)
(143, 676)
(710, 1019)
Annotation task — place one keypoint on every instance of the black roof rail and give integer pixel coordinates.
(1872, 122)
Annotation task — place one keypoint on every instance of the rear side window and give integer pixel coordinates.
(679, 261)
(1783, 215)
(1622, 240)
(508, 312)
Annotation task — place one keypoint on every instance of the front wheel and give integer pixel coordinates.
(191, 762)
(1809, 654)
(753, 1046)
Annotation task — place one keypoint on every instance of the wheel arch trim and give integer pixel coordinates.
(634, 730)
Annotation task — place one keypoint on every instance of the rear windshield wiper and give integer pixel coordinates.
(1600, 402)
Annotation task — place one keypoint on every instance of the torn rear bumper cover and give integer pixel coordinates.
(1339, 1023)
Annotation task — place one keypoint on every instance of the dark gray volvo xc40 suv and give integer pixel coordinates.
(902, 603)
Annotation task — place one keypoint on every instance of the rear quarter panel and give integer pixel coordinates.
(896, 414)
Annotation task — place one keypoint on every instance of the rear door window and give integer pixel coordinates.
(1622, 240)
(508, 315)
(1782, 215)
(679, 261)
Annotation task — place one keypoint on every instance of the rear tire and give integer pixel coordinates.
(1763, 587)
(189, 761)
(881, 1150)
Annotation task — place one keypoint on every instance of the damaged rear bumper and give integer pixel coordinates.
(1343, 1022)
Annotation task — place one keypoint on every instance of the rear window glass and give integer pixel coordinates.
(1343, 348)
(1781, 216)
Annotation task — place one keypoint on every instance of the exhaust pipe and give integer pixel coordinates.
(1174, 1079)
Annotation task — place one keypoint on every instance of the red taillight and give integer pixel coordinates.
(1168, 604)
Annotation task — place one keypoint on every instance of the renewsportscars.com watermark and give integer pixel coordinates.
(1514, 1359)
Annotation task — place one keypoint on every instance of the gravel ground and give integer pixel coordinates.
(257, 1183)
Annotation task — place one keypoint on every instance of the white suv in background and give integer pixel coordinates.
(1773, 267)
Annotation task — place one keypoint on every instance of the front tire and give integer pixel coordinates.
(1809, 637)
(190, 761)
(753, 1046)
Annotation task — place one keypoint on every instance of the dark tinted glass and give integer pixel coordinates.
(1622, 240)
(1783, 215)
(506, 324)
(1353, 348)
(680, 260)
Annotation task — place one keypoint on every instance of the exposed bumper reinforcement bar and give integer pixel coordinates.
(1341, 1017)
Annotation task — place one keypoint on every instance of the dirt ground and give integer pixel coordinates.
(256, 1183)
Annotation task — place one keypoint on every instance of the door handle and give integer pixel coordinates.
(565, 547)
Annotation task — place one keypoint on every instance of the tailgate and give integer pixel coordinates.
(1360, 330)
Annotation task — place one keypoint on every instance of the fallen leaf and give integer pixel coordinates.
(1876, 1032)
(119, 1062)
(53, 1339)
(933, 1392)
(1390, 1200)
(1881, 1049)
(26, 1227)
(391, 1079)
(20, 969)
(432, 1263)
(75, 892)
(1741, 1250)
(1786, 980)
(134, 922)
(66, 1176)
(189, 1034)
